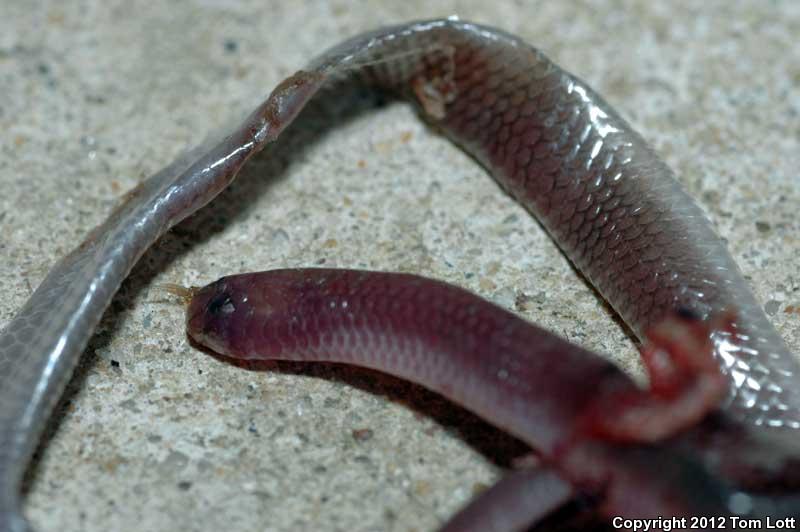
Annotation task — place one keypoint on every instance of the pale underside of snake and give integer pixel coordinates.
(610, 203)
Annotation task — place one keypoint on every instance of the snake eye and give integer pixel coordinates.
(688, 313)
(221, 304)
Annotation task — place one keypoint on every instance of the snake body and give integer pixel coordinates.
(555, 145)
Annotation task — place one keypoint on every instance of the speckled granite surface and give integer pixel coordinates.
(155, 435)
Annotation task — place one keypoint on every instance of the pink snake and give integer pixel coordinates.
(610, 203)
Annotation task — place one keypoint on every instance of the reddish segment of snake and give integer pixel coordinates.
(593, 428)
(587, 420)
(612, 205)
(564, 401)
(524, 379)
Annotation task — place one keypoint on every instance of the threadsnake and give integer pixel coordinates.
(549, 140)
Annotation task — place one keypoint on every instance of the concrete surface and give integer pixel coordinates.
(155, 435)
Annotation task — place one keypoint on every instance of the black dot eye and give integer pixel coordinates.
(688, 313)
(221, 304)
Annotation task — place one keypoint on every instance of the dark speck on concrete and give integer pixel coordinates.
(331, 402)
(763, 227)
(362, 435)
(184, 485)
(523, 300)
(130, 404)
(231, 46)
